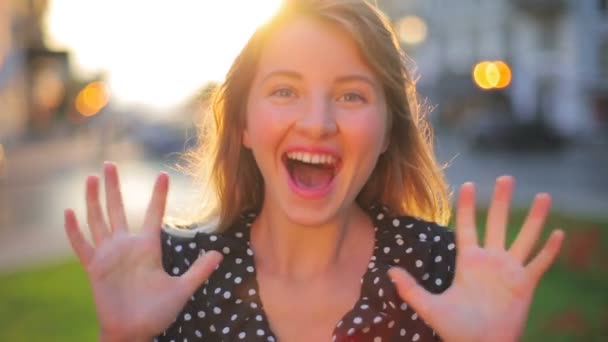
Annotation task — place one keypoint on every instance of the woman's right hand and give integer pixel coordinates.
(135, 298)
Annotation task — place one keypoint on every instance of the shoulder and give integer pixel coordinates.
(426, 249)
(182, 244)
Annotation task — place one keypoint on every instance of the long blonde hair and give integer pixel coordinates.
(407, 178)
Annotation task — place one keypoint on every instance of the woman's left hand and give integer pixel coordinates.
(493, 286)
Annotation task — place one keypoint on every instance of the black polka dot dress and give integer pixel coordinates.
(227, 306)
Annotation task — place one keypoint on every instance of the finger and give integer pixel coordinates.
(466, 233)
(83, 249)
(95, 219)
(156, 207)
(412, 293)
(498, 214)
(200, 271)
(545, 258)
(114, 204)
(533, 225)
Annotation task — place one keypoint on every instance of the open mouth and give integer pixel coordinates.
(311, 171)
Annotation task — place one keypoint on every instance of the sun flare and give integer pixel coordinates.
(155, 53)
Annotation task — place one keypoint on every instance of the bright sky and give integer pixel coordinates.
(155, 53)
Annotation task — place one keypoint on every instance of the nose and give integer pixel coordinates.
(318, 119)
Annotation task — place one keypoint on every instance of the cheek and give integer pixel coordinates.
(366, 133)
(264, 127)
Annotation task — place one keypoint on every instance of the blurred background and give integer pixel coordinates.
(517, 87)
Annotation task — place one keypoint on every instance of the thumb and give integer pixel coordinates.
(200, 271)
(412, 293)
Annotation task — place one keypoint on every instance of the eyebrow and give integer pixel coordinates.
(339, 79)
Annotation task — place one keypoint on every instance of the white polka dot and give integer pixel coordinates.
(376, 280)
(249, 251)
(228, 275)
(237, 280)
(366, 330)
(234, 317)
(339, 323)
(377, 339)
(425, 276)
(258, 318)
(357, 320)
(422, 237)
(212, 237)
(226, 330)
(201, 314)
(409, 225)
(416, 337)
(391, 324)
(198, 333)
(238, 261)
(396, 222)
(350, 331)
(371, 265)
(227, 294)
(251, 292)
(253, 305)
(178, 248)
(217, 290)
(414, 316)
(400, 242)
(438, 258)
(250, 269)
(409, 250)
(364, 306)
(451, 246)
(438, 282)
(226, 250)
(377, 319)
(380, 293)
(387, 250)
(212, 328)
(260, 332)
(403, 306)
(217, 310)
(402, 332)
(380, 216)
(270, 339)
(238, 234)
(242, 335)
(437, 238)
(187, 317)
(418, 263)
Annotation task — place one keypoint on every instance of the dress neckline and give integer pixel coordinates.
(364, 302)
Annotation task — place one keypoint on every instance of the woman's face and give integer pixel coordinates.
(316, 121)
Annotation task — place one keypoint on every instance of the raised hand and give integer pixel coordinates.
(135, 298)
(492, 289)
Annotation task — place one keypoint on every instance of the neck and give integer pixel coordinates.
(287, 249)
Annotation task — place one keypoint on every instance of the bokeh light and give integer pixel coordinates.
(92, 98)
(492, 75)
(411, 30)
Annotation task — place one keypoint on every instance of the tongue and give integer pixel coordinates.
(312, 177)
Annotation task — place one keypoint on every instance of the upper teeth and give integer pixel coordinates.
(312, 158)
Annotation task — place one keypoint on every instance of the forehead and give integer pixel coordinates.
(313, 48)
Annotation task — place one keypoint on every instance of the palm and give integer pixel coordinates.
(492, 289)
(134, 297)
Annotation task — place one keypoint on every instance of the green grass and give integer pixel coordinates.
(53, 303)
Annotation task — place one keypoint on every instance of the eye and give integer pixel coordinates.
(352, 97)
(283, 92)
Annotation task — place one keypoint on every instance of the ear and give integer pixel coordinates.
(246, 140)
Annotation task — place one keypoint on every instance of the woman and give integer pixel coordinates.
(326, 193)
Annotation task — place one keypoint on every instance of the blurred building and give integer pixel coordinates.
(33, 79)
(557, 51)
